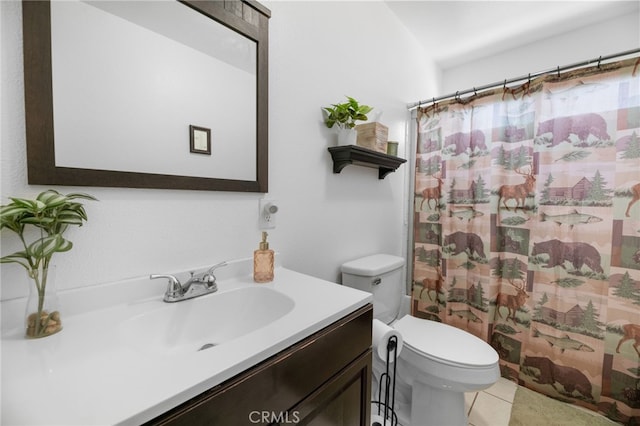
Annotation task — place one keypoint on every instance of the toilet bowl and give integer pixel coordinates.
(438, 363)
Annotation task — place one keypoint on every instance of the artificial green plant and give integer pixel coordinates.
(51, 213)
(346, 114)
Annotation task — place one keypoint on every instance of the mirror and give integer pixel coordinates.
(151, 94)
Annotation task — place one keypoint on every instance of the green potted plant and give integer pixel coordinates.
(50, 213)
(344, 116)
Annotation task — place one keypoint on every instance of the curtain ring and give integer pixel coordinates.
(475, 92)
(599, 59)
(558, 71)
(504, 86)
(529, 82)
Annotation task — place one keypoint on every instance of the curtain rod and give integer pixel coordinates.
(415, 105)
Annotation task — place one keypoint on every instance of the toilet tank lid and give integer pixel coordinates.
(370, 266)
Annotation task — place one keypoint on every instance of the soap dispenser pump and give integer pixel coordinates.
(263, 260)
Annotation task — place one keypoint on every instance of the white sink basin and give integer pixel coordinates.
(204, 322)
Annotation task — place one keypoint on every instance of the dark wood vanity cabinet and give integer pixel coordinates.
(324, 379)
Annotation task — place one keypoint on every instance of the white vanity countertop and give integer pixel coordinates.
(85, 374)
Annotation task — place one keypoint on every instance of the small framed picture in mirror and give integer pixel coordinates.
(199, 140)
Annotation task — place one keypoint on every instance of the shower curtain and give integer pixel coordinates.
(527, 230)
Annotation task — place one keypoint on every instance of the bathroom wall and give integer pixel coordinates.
(609, 36)
(319, 52)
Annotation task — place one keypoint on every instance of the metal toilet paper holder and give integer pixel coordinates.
(387, 388)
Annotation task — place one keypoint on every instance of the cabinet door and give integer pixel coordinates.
(342, 401)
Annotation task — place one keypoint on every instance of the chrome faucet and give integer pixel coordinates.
(196, 285)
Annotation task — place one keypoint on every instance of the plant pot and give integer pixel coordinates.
(347, 137)
(42, 317)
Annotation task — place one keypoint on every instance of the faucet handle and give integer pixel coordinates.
(216, 266)
(209, 279)
(173, 288)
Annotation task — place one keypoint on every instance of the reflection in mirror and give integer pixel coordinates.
(129, 80)
(125, 102)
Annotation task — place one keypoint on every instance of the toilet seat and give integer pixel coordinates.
(460, 348)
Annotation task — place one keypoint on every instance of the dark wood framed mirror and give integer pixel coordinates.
(72, 128)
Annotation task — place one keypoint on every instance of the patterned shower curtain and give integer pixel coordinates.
(527, 231)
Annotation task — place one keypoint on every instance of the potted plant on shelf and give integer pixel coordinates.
(344, 116)
(51, 213)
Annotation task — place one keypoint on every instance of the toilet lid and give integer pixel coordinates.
(445, 343)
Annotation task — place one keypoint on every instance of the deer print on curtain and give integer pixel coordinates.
(527, 231)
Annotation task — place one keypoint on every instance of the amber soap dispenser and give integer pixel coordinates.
(263, 260)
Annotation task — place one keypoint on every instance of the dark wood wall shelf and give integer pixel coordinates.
(352, 154)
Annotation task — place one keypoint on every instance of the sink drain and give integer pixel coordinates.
(206, 346)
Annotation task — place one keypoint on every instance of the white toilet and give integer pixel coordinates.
(437, 364)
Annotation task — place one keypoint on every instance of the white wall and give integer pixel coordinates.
(319, 52)
(610, 36)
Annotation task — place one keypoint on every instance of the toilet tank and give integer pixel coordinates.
(380, 275)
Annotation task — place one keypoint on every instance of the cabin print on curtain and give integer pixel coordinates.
(527, 231)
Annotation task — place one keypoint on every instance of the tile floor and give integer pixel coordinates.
(491, 407)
